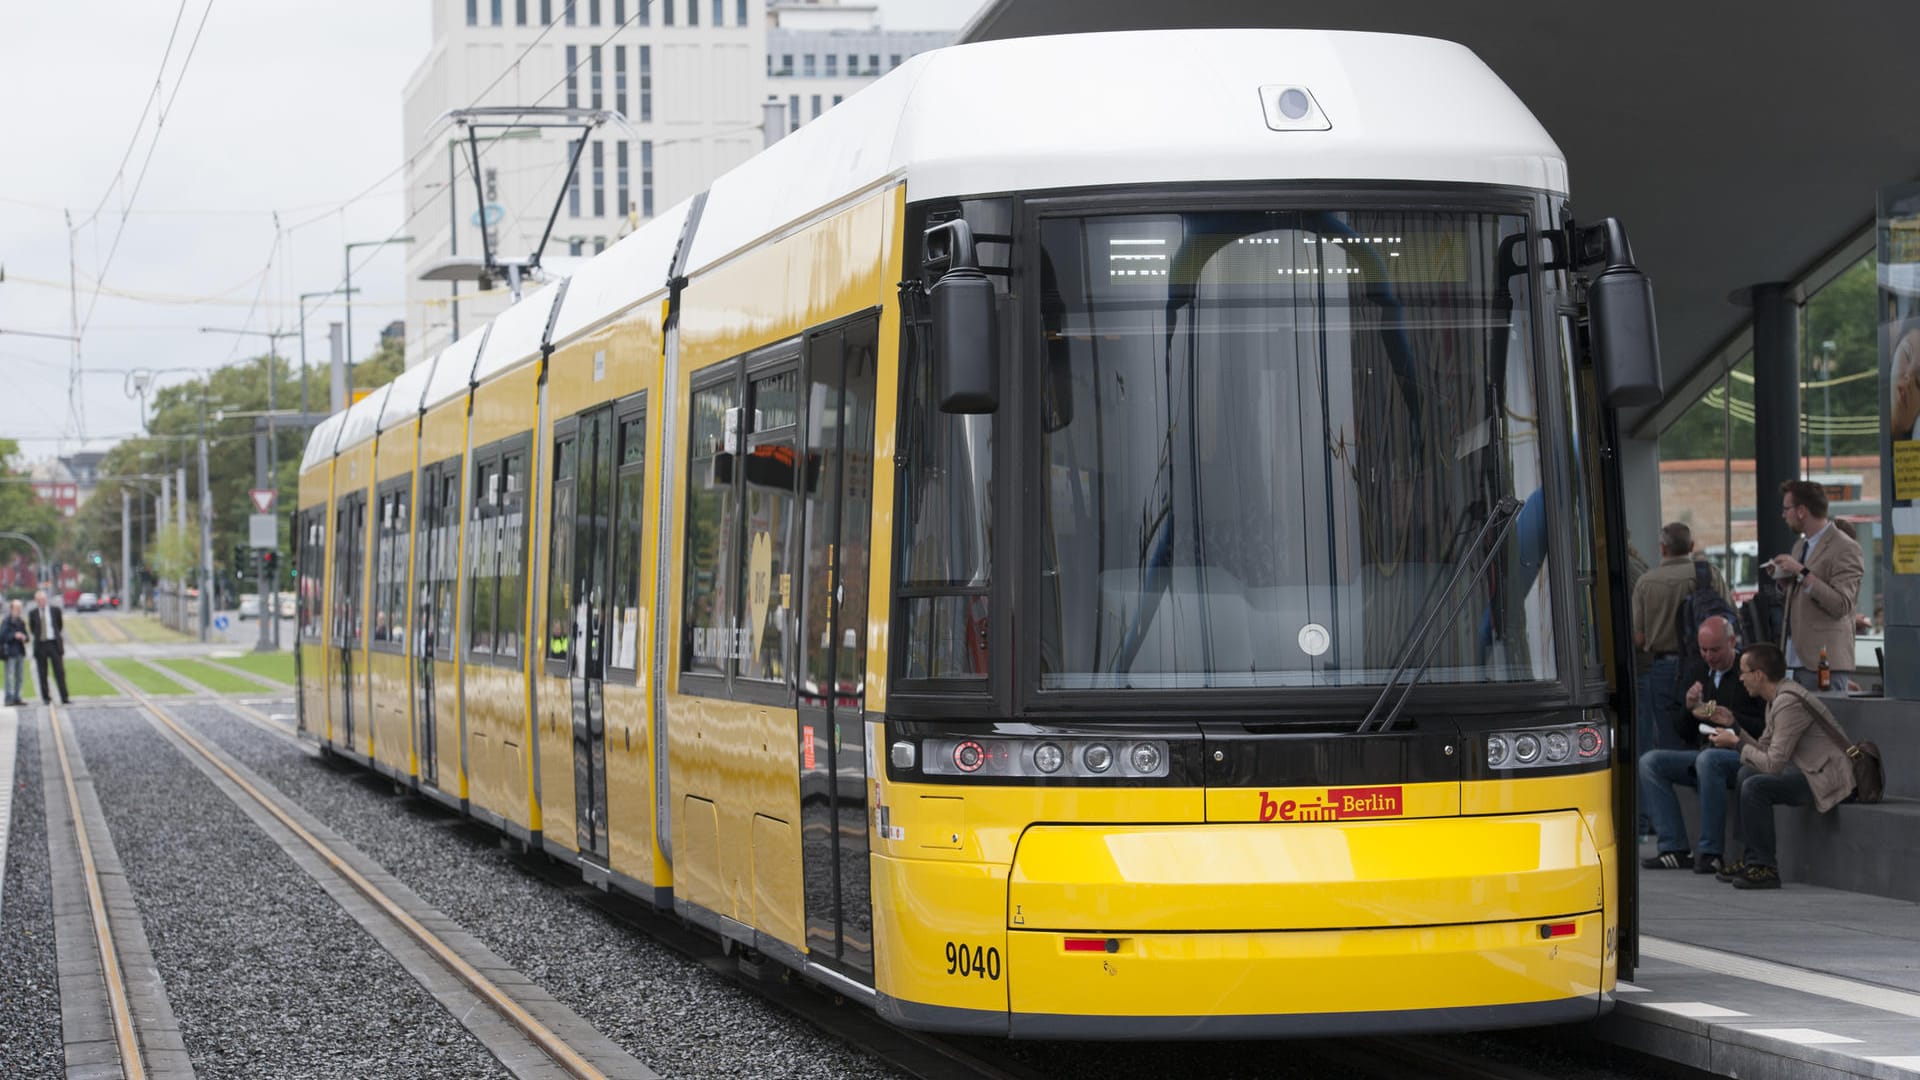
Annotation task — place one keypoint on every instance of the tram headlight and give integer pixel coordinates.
(1560, 746)
(1526, 749)
(1498, 750)
(1048, 758)
(903, 754)
(1557, 746)
(969, 756)
(1144, 757)
(1098, 758)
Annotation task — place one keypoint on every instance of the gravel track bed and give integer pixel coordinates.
(266, 974)
(676, 1016)
(29, 987)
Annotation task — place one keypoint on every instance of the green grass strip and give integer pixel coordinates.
(146, 628)
(214, 679)
(143, 677)
(77, 629)
(277, 666)
(82, 681)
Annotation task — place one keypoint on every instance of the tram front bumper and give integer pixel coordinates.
(1235, 928)
(1310, 929)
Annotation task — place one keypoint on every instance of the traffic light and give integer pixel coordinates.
(270, 562)
(96, 558)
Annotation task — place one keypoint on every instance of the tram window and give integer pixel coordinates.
(560, 557)
(509, 572)
(422, 593)
(707, 621)
(947, 531)
(629, 495)
(312, 561)
(766, 570)
(446, 563)
(482, 526)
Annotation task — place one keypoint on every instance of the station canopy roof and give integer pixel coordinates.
(1738, 144)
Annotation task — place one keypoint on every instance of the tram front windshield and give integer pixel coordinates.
(1269, 437)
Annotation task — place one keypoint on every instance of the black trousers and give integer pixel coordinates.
(59, 675)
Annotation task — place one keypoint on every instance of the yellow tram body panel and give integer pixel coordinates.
(390, 710)
(352, 474)
(734, 765)
(606, 366)
(495, 690)
(443, 436)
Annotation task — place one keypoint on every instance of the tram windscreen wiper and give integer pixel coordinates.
(1499, 523)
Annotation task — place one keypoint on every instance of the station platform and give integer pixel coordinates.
(1802, 982)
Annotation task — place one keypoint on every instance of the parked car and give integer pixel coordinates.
(249, 606)
(87, 602)
(286, 605)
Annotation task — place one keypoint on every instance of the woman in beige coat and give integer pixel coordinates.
(1796, 760)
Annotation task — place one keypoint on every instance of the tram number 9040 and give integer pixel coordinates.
(978, 961)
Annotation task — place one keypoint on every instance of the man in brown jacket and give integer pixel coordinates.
(1798, 759)
(1822, 582)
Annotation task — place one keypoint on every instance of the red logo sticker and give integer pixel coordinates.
(1339, 804)
(806, 745)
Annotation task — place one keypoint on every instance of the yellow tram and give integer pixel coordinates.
(1099, 536)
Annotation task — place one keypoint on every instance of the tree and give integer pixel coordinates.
(22, 511)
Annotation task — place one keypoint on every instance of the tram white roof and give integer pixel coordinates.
(631, 270)
(406, 394)
(320, 444)
(453, 369)
(517, 334)
(1142, 107)
(363, 419)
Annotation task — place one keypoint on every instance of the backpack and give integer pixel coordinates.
(1761, 616)
(1701, 604)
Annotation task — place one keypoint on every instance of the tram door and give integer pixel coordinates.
(349, 537)
(589, 491)
(836, 478)
(432, 561)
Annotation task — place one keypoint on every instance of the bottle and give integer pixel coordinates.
(1826, 673)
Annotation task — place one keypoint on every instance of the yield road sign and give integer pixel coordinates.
(262, 499)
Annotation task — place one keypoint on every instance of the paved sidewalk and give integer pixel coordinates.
(1802, 981)
(9, 740)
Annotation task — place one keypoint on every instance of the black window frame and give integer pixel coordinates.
(390, 544)
(494, 455)
(626, 411)
(565, 431)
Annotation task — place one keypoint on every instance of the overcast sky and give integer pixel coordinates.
(285, 105)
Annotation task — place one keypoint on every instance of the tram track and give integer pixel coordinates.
(535, 1037)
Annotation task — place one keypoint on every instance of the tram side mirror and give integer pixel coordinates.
(1621, 326)
(965, 339)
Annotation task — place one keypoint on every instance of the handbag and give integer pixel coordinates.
(1869, 778)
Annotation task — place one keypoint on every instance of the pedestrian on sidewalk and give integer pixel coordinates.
(1822, 583)
(1714, 696)
(48, 627)
(13, 649)
(1800, 758)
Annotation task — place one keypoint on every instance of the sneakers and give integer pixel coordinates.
(1758, 877)
(1706, 864)
(1730, 870)
(1667, 860)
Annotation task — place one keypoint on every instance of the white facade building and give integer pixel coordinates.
(686, 74)
(820, 53)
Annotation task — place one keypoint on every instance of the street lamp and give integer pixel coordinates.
(349, 295)
(304, 297)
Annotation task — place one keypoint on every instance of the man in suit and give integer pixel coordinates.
(48, 628)
(1822, 580)
(1712, 680)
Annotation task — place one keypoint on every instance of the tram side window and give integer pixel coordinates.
(510, 570)
(312, 562)
(946, 492)
(357, 583)
(390, 567)
(766, 559)
(629, 495)
(446, 562)
(419, 643)
(482, 526)
(560, 553)
(707, 621)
